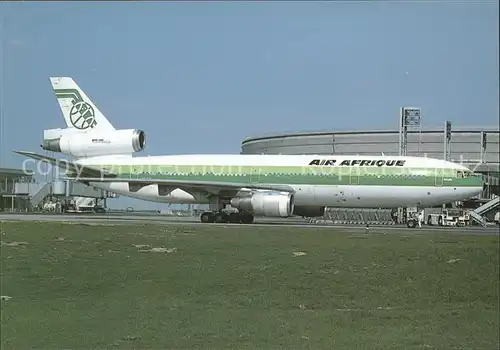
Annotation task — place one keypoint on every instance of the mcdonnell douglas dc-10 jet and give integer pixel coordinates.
(255, 185)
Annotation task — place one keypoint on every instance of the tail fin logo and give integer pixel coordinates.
(81, 115)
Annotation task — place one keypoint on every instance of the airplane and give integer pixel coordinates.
(254, 185)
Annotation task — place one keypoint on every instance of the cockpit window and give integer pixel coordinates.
(468, 173)
(465, 173)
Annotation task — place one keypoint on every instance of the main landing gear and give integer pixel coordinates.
(223, 217)
(218, 215)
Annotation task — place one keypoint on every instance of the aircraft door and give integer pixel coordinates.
(439, 174)
(255, 176)
(354, 176)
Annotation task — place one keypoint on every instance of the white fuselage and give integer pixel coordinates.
(340, 196)
(352, 196)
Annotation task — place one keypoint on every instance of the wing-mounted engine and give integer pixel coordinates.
(94, 144)
(309, 212)
(273, 204)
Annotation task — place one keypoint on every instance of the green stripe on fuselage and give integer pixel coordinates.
(310, 175)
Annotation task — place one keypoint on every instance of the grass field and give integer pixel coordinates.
(99, 287)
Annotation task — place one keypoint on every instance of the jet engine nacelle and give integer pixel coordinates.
(309, 212)
(95, 144)
(274, 204)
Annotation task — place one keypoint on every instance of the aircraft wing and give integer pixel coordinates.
(213, 187)
(89, 174)
(82, 170)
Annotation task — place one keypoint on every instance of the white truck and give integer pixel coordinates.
(449, 217)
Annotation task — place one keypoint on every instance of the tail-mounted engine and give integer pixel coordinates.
(94, 144)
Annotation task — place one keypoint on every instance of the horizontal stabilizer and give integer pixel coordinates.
(76, 170)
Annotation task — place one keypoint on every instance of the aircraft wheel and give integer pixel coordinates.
(411, 223)
(234, 218)
(246, 218)
(207, 217)
(220, 218)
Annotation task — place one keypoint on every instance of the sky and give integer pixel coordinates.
(199, 77)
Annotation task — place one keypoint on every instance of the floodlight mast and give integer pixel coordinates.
(409, 118)
(447, 141)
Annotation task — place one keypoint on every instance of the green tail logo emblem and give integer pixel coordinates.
(81, 115)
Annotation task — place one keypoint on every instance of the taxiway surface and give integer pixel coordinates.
(124, 219)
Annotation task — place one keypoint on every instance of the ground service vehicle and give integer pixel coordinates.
(449, 217)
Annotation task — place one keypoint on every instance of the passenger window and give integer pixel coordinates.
(460, 174)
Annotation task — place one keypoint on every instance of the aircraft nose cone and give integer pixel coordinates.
(475, 191)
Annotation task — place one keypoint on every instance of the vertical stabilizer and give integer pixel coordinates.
(78, 110)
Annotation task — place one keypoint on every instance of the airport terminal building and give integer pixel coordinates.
(20, 191)
(9, 180)
(466, 143)
(477, 148)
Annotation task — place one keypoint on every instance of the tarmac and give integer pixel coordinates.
(134, 219)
